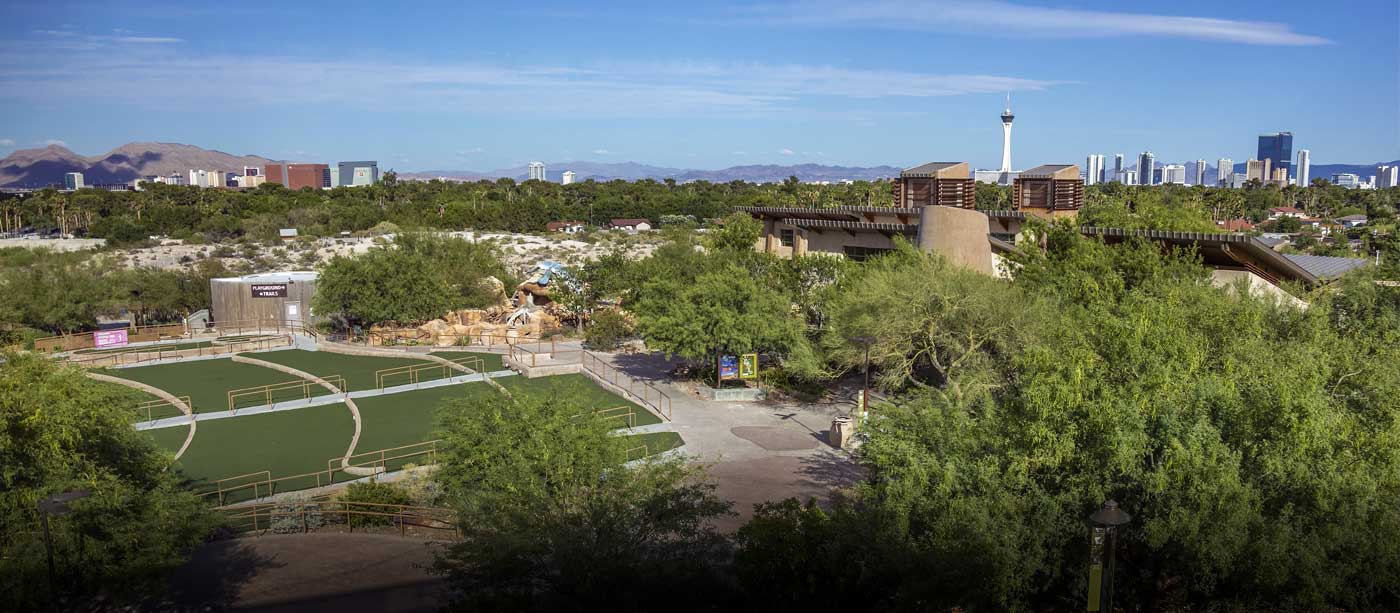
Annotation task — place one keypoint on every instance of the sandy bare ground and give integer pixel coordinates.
(521, 251)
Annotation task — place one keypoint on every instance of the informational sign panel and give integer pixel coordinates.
(269, 290)
(728, 367)
(109, 338)
(748, 366)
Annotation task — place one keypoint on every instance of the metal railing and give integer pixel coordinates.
(305, 386)
(379, 459)
(524, 354)
(151, 353)
(647, 394)
(262, 517)
(149, 406)
(414, 371)
(625, 413)
(85, 340)
(265, 326)
(262, 484)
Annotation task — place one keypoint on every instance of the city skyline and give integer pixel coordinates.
(540, 85)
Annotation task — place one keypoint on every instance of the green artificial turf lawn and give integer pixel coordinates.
(490, 361)
(207, 382)
(358, 370)
(166, 346)
(656, 442)
(581, 389)
(169, 439)
(285, 443)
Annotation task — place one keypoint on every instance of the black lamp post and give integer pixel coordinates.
(57, 506)
(1103, 539)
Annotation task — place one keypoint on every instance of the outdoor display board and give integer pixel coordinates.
(269, 290)
(748, 366)
(738, 367)
(109, 338)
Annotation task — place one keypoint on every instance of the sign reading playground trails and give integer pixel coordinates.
(109, 338)
(269, 290)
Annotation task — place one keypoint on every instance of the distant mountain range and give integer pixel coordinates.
(633, 171)
(46, 166)
(42, 167)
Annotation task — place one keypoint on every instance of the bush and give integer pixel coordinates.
(374, 492)
(607, 330)
(288, 518)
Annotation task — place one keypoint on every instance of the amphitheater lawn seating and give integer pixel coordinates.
(157, 346)
(285, 443)
(169, 439)
(490, 361)
(358, 370)
(207, 382)
(656, 442)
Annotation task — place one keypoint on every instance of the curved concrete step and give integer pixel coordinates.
(159, 393)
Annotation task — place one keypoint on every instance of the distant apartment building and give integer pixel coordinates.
(73, 180)
(1146, 163)
(355, 174)
(536, 171)
(1051, 190)
(1126, 176)
(248, 181)
(173, 178)
(1347, 180)
(568, 177)
(1257, 170)
(1224, 167)
(206, 178)
(1198, 173)
(935, 183)
(1277, 149)
(1173, 174)
(1093, 169)
(251, 171)
(299, 176)
(1387, 177)
(1302, 172)
(1280, 177)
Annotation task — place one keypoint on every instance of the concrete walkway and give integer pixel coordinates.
(755, 451)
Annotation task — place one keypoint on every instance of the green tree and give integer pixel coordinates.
(61, 432)
(554, 520)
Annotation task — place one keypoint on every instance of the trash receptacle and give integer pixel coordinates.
(842, 429)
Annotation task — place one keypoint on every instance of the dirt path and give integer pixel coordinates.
(346, 573)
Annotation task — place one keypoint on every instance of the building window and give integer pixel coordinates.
(861, 254)
(785, 237)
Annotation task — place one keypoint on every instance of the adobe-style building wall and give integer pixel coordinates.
(960, 235)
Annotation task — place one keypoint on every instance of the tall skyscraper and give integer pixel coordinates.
(73, 180)
(1173, 174)
(536, 171)
(1145, 166)
(1257, 170)
(1199, 173)
(1277, 148)
(1304, 166)
(1386, 176)
(1006, 119)
(1224, 167)
(1093, 169)
(1117, 164)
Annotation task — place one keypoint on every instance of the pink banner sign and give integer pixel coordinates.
(109, 338)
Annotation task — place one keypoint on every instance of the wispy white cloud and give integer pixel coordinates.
(7, 142)
(146, 76)
(1022, 20)
(601, 152)
(73, 40)
(786, 151)
(53, 141)
(472, 151)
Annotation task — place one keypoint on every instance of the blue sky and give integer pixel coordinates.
(483, 85)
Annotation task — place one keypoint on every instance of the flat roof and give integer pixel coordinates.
(937, 170)
(854, 225)
(1216, 248)
(273, 277)
(841, 213)
(1052, 171)
(1327, 267)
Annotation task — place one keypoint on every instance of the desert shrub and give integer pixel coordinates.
(607, 330)
(374, 492)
